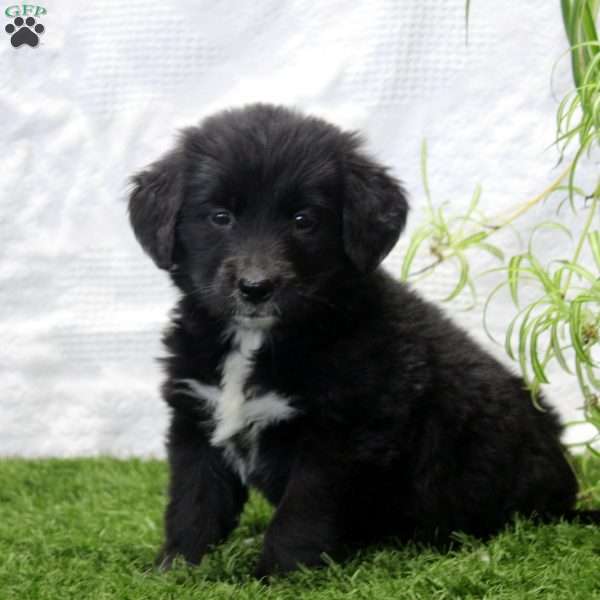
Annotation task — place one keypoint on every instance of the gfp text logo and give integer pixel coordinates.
(24, 29)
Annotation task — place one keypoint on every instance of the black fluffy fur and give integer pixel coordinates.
(406, 428)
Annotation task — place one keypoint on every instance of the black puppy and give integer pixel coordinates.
(298, 366)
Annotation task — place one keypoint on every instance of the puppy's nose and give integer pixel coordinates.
(257, 290)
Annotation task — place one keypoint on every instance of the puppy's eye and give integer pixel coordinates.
(305, 222)
(221, 218)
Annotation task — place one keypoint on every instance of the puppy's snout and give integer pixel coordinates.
(256, 290)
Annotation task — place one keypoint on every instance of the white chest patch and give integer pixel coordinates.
(239, 412)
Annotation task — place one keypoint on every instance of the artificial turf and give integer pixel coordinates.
(89, 528)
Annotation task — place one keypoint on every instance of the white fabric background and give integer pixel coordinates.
(81, 307)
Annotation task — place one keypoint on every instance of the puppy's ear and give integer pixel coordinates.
(154, 203)
(375, 210)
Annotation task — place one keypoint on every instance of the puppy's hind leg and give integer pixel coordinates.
(205, 496)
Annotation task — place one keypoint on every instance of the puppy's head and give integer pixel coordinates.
(258, 211)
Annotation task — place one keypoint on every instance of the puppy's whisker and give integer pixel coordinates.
(209, 288)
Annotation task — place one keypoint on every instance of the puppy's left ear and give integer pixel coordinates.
(375, 210)
(153, 206)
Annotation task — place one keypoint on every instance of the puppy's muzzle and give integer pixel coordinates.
(256, 291)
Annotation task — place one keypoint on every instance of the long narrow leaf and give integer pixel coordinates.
(549, 225)
(594, 242)
(541, 274)
(556, 349)
(471, 240)
(462, 279)
(591, 375)
(424, 175)
(536, 364)
(513, 277)
(493, 250)
(575, 327)
(415, 242)
(581, 271)
(487, 304)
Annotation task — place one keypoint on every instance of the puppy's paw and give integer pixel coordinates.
(275, 562)
(164, 561)
(264, 571)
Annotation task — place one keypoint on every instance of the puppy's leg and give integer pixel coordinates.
(306, 522)
(205, 495)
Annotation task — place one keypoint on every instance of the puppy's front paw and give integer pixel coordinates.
(263, 572)
(270, 565)
(164, 560)
(280, 559)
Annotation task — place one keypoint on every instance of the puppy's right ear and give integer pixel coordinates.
(153, 206)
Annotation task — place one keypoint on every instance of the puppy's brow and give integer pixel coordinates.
(198, 198)
(317, 202)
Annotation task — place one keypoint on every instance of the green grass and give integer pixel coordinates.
(90, 528)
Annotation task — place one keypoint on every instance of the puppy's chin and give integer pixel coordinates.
(246, 322)
(250, 316)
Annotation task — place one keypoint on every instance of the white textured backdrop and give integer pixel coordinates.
(81, 307)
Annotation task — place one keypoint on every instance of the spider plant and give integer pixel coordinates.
(560, 325)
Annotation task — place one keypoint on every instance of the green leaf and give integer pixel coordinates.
(471, 240)
(539, 327)
(575, 326)
(440, 222)
(424, 174)
(524, 329)
(486, 306)
(473, 291)
(415, 242)
(493, 250)
(542, 275)
(548, 225)
(580, 152)
(556, 349)
(513, 277)
(591, 375)
(581, 271)
(557, 277)
(462, 279)
(594, 242)
(474, 201)
(522, 351)
(508, 344)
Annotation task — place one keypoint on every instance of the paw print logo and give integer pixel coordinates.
(24, 32)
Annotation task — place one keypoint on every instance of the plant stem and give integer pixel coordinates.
(535, 200)
(428, 267)
(582, 238)
(507, 221)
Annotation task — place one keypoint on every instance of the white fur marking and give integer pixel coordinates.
(236, 368)
(266, 409)
(233, 411)
(197, 389)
